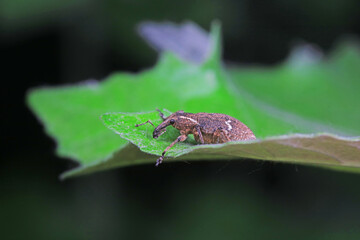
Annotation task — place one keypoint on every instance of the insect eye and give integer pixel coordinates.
(172, 121)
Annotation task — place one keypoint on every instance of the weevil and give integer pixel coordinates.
(207, 128)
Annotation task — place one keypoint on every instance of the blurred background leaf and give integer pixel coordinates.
(304, 90)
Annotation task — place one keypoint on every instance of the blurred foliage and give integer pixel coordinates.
(20, 14)
(306, 87)
(190, 204)
(246, 23)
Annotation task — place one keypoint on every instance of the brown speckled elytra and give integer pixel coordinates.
(206, 128)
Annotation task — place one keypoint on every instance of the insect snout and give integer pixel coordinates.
(158, 132)
(155, 135)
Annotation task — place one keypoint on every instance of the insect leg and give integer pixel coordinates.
(216, 136)
(148, 121)
(180, 138)
(197, 127)
(221, 136)
(161, 114)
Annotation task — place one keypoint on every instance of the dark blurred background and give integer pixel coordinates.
(58, 42)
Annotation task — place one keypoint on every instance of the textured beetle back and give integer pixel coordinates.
(224, 127)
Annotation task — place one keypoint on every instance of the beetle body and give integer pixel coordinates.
(214, 127)
(207, 128)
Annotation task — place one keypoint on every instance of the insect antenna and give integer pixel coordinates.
(161, 114)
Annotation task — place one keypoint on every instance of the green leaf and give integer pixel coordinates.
(321, 149)
(322, 94)
(71, 114)
(124, 125)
